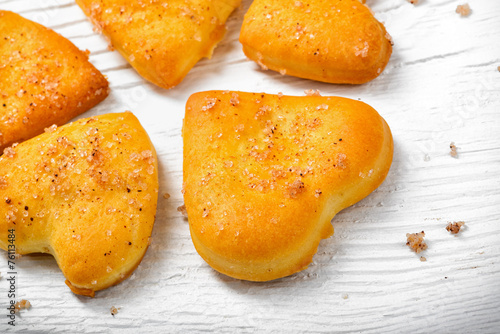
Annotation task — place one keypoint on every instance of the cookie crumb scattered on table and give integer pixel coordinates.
(182, 210)
(416, 241)
(464, 10)
(454, 227)
(453, 150)
(23, 304)
(114, 310)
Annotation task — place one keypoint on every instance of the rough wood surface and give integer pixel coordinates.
(442, 85)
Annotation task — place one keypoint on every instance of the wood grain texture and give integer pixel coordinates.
(441, 85)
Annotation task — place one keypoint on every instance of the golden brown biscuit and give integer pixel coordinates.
(265, 174)
(162, 40)
(45, 79)
(335, 41)
(86, 193)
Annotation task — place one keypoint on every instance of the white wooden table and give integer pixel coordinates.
(442, 85)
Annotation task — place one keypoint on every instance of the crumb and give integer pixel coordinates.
(345, 296)
(182, 210)
(463, 10)
(22, 305)
(498, 68)
(312, 92)
(416, 241)
(423, 259)
(455, 227)
(166, 195)
(453, 150)
(413, 2)
(114, 310)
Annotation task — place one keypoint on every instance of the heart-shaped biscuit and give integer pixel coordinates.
(162, 40)
(45, 79)
(86, 193)
(265, 174)
(335, 41)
